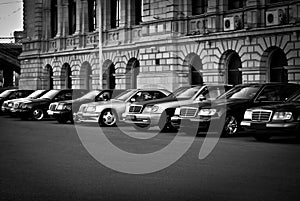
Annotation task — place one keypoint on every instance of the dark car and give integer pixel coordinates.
(63, 111)
(159, 111)
(231, 106)
(9, 106)
(279, 119)
(37, 108)
(13, 94)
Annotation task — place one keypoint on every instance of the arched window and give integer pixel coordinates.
(234, 64)
(277, 63)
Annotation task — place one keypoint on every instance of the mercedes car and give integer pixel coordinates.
(108, 113)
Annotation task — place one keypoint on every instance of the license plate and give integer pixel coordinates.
(258, 125)
(131, 117)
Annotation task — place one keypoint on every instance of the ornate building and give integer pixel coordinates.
(159, 43)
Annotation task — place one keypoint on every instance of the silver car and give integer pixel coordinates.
(159, 112)
(109, 112)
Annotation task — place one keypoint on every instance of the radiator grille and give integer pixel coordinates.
(188, 112)
(261, 115)
(135, 109)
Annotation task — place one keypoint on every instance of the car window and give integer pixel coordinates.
(211, 93)
(188, 92)
(5, 93)
(125, 95)
(241, 92)
(275, 93)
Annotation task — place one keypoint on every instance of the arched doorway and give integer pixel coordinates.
(49, 77)
(66, 74)
(232, 64)
(195, 66)
(132, 71)
(277, 62)
(109, 75)
(85, 76)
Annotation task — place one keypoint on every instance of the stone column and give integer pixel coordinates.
(65, 19)
(79, 20)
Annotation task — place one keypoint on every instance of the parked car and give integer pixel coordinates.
(12, 94)
(159, 112)
(280, 119)
(109, 112)
(63, 111)
(231, 106)
(37, 108)
(9, 106)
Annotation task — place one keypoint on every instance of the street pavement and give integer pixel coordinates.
(47, 161)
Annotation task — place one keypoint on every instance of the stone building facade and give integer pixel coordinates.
(159, 43)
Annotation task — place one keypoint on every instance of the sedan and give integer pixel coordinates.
(279, 119)
(231, 106)
(158, 112)
(109, 112)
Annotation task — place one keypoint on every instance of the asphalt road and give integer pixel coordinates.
(47, 161)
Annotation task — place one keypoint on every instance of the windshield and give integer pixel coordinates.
(188, 92)
(5, 93)
(125, 95)
(295, 98)
(241, 92)
(36, 94)
(91, 95)
(50, 94)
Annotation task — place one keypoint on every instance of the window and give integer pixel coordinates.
(92, 12)
(115, 13)
(53, 18)
(72, 16)
(199, 7)
(138, 11)
(235, 4)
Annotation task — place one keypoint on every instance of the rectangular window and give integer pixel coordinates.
(53, 18)
(138, 11)
(199, 7)
(92, 12)
(235, 4)
(115, 13)
(72, 17)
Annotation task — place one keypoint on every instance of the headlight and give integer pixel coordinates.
(26, 106)
(283, 116)
(148, 109)
(10, 104)
(67, 107)
(248, 115)
(207, 112)
(177, 111)
(155, 108)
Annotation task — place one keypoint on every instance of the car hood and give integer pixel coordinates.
(161, 100)
(281, 107)
(223, 103)
(110, 102)
(37, 101)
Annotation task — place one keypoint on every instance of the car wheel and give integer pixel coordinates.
(165, 123)
(262, 137)
(231, 126)
(141, 127)
(38, 114)
(108, 118)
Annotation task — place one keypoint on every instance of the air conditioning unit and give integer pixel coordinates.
(228, 23)
(272, 18)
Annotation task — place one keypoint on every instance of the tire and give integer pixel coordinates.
(262, 137)
(141, 127)
(165, 123)
(108, 118)
(38, 114)
(231, 126)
